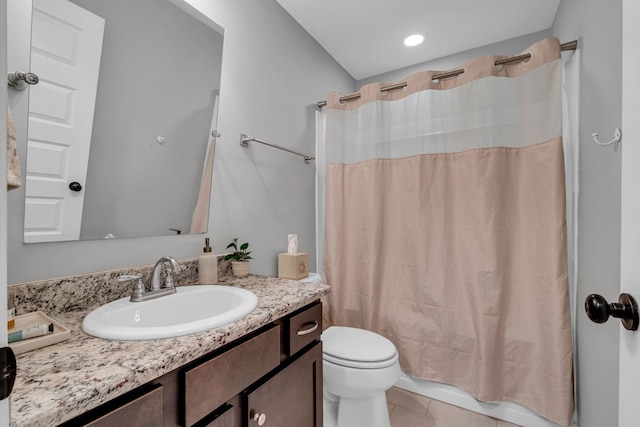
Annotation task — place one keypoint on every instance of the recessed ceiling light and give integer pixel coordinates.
(413, 39)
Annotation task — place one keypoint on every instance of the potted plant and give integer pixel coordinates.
(240, 256)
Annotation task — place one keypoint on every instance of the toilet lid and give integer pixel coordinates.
(342, 344)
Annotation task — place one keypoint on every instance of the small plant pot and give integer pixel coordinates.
(240, 268)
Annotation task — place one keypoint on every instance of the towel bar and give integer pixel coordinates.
(245, 140)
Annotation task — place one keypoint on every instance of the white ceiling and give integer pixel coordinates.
(365, 36)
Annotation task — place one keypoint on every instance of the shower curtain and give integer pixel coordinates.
(445, 227)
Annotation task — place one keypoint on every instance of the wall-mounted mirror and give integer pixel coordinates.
(120, 123)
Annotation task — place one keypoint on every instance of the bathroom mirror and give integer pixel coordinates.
(129, 160)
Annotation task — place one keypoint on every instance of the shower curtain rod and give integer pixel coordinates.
(572, 45)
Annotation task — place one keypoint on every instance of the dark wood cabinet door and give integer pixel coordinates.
(293, 397)
(224, 419)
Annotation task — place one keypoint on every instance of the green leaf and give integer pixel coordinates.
(244, 246)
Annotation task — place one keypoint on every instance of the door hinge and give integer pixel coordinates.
(8, 368)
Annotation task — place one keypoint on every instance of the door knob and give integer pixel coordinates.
(626, 309)
(75, 186)
(19, 80)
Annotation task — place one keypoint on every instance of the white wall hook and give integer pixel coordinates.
(617, 136)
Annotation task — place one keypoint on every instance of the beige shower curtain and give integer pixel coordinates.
(445, 227)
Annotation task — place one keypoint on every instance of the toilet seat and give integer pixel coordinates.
(360, 365)
(357, 348)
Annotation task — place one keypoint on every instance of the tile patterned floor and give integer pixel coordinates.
(408, 409)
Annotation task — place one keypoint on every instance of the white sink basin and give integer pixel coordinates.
(191, 309)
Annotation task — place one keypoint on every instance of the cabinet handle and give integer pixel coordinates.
(260, 418)
(312, 326)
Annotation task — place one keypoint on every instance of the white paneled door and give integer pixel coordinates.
(66, 48)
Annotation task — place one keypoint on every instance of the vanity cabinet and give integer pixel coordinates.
(271, 377)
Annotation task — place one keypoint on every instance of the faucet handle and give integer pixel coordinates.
(168, 278)
(175, 269)
(138, 288)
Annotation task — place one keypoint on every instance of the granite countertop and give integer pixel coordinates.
(61, 381)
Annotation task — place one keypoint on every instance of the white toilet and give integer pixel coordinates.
(358, 367)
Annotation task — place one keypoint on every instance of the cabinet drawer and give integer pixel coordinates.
(212, 383)
(304, 328)
(144, 411)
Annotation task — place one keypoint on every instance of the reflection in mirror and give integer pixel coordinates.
(120, 123)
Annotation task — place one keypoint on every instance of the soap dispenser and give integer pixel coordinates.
(207, 266)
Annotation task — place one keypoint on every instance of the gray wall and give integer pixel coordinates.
(159, 74)
(273, 74)
(597, 24)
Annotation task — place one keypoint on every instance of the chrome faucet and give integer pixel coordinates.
(140, 291)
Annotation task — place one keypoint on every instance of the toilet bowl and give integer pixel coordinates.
(358, 367)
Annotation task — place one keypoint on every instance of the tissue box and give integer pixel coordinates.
(293, 267)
